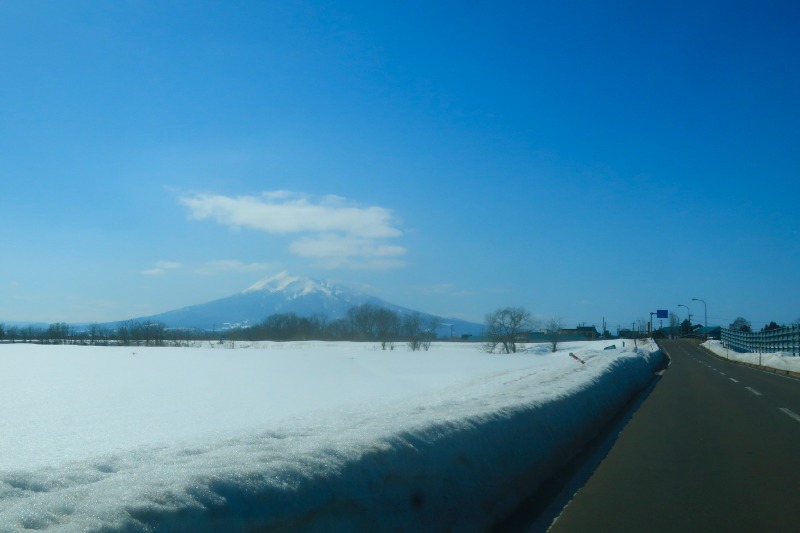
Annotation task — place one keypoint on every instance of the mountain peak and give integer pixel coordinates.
(291, 286)
(275, 283)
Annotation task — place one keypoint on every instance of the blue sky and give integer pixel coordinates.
(580, 159)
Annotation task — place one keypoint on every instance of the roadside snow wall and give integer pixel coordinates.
(460, 459)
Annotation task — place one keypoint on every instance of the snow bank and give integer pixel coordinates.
(453, 439)
(778, 360)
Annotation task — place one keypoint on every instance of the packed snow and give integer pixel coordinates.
(304, 436)
(777, 360)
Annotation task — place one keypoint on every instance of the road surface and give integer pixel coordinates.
(714, 447)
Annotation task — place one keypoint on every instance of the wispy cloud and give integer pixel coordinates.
(161, 267)
(220, 266)
(447, 289)
(223, 266)
(332, 231)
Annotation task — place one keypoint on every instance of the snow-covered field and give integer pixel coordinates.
(779, 360)
(304, 436)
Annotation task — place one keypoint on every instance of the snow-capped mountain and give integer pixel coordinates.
(284, 293)
(293, 287)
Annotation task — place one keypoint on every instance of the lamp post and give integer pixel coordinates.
(689, 314)
(705, 313)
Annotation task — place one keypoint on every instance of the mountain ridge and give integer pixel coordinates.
(285, 293)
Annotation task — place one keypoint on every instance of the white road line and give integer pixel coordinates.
(734, 380)
(751, 389)
(790, 413)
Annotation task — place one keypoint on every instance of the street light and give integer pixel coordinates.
(689, 313)
(705, 312)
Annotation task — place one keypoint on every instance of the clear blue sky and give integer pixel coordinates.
(581, 159)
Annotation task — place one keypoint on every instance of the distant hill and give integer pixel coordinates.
(284, 293)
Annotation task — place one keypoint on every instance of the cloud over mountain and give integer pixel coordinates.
(331, 231)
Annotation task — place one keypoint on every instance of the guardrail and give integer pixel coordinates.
(777, 340)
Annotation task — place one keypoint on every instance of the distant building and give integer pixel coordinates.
(630, 334)
(587, 332)
(580, 333)
(674, 332)
(711, 332)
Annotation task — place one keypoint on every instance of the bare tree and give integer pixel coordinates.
(674, 323)
(97, 334)
(372, 322)
(429, 325)
(418, 331)
(58, 333)
(504, 328)
(387, 327)
(554, 326)
(362, 320)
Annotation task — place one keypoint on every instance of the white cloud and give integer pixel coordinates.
(284, 212)
(336, 251)
(168, 265)
(331, 245)
(334, 232)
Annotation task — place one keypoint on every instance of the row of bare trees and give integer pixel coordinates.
(505, 329)
(366, 322)
(130, 333)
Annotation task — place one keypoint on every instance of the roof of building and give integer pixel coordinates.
(709, 329)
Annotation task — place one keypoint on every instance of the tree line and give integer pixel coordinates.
(505, 329)
(129, 333)
(744, 325)
(365, 322)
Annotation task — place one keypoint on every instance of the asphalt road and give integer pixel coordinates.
(714, 447)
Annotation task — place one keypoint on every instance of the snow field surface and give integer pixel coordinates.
(304, 436)
(779, 360)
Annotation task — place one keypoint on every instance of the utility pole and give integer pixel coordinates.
(689, 317)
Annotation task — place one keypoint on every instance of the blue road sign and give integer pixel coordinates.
(662, 313)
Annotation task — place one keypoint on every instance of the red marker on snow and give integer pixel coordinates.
(576, 358)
